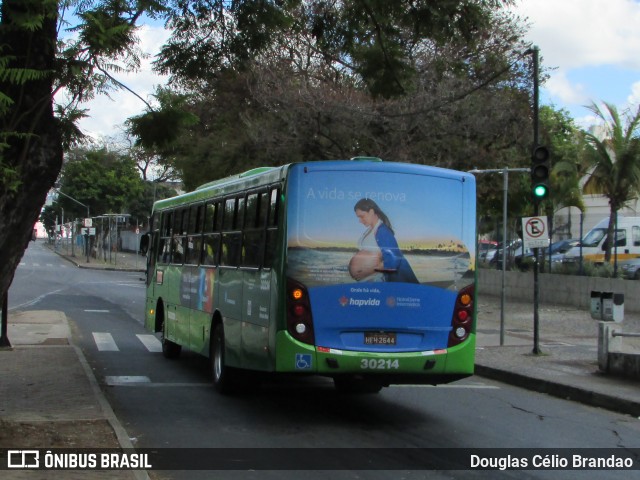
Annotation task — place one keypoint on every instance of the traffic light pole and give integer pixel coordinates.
(536, 269)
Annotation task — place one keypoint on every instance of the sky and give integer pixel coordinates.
(591, 49)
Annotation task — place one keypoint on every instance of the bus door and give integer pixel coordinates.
(383, 250)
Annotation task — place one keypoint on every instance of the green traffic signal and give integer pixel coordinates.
(540, 191)
(540, 173)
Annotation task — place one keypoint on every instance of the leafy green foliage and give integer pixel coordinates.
(102, 180)
(615, 161)
(159, 129)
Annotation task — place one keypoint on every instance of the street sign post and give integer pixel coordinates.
(535, 234)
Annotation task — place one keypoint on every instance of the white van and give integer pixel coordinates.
(593, 244)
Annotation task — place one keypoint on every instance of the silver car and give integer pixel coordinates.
(631, 268)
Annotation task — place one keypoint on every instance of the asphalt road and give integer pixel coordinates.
(170, 404)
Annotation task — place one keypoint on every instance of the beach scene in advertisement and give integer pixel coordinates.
(380, 227)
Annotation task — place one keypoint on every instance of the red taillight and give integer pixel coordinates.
(299, 320)
(461, 322)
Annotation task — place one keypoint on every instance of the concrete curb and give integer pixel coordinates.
(559, 390)
(121, 433)
(89, 266)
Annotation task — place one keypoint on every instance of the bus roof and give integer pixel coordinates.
(251, 178)
(260, 176)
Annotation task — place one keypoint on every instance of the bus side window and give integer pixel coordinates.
(229, 214)
(164, 248)
(239, 224)
(194, 239)
(253, 234)
(272, 228)
(178, 239)
(274, 207)
(231, 238)
(209, 218)
(219, 217)
(211, 248)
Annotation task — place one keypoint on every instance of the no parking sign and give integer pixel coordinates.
(535, 233)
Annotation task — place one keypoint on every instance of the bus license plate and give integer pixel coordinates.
(379, 338)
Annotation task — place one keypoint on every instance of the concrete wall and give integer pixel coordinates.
(561, 289)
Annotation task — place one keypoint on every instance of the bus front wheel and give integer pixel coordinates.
(220, 373)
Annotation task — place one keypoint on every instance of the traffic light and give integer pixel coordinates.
(540, 173)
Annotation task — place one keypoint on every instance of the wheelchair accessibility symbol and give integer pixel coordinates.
(303, 361)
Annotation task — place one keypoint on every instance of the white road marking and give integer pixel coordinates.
(105, 342)
(119, 380)
(35, 300)
(151, 342)
(96, 311)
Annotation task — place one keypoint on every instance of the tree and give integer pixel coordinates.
(30, 139)
(567, 147)
(34, 66)
(104, 181)
(615, 161)
(455, 93)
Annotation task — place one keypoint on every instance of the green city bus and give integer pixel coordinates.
(359, 270)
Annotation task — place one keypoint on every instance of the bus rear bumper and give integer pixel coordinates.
(425, 367)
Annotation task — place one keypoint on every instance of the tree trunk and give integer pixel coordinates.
(611, 237)
(32, 156)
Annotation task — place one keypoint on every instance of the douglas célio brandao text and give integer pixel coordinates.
(551, 461)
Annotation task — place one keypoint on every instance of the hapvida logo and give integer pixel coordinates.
(361, 302)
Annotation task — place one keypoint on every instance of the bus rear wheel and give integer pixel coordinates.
(221, 375)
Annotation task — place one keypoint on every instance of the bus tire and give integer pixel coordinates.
(354, 385)
(169, 349)
(221, 375)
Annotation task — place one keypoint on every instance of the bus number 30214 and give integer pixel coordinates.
(379, 364)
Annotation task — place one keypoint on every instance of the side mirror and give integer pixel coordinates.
(144, 243)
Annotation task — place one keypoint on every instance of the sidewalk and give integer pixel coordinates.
(34, 395)
(127, 261)
(567, 365)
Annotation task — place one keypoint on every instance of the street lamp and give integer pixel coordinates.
(505, 190)
(88, 215)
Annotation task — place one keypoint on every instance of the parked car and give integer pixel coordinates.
(486, 250)
(557, 249)
(631, 268)
(514, 248)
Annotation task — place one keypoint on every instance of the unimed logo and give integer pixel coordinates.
(23, 459)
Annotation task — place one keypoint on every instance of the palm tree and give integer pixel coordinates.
(615, 162)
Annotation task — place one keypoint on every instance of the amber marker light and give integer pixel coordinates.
(465, 299)
(296, 294)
